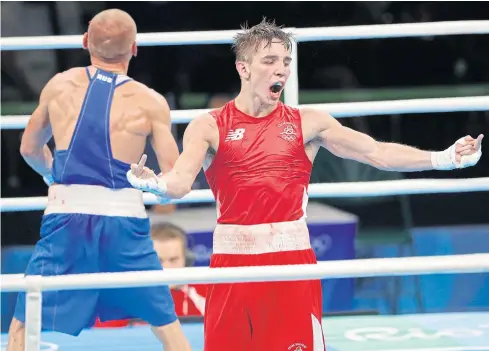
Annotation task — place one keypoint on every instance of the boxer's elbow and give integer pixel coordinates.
(28, 150)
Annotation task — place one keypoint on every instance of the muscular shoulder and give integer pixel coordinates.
(204, 123)
(73, 75)
(315, 121)
(146, 94)
(203, 127)
(308, 113)
(157, 100)
(148, 99)
(61, 82)
(224, 112)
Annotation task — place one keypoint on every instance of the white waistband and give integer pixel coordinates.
(261, 238)
(95, 200)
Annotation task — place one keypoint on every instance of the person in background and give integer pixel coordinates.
(171, 245)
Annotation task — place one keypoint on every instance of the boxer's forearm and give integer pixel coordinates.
(197, 141)
(179, 180)
(177, 184)
(350, 144)
(347, 143)
(40, 160)
(400, 158)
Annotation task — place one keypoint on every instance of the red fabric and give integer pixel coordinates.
(264, 316)
(111, 324)
(260, 173)
(181, 298)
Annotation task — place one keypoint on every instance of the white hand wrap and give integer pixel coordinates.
(445, 160)
(153, 185)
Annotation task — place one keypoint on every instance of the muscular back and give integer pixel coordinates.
(136, 113)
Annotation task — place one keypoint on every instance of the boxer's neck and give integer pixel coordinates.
(115, 67)
(249, 103)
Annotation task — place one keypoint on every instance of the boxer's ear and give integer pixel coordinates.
(85, 41)
(243, 69)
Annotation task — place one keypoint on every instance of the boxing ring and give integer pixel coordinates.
(433, 332)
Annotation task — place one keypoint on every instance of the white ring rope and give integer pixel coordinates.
(376, 267)
(225, 37)
(318, 190)
(338, 110)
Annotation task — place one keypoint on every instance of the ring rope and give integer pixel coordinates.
(317, 190)
(226, 36)
(372, 267)
(338, 110)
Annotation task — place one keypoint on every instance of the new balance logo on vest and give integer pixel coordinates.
(236, 134)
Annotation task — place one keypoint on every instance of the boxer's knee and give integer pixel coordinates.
(16, 336)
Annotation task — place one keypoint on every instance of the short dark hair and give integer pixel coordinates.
(252, 38)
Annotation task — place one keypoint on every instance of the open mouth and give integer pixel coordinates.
(276, 89)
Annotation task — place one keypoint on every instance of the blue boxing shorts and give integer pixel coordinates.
(91, 229)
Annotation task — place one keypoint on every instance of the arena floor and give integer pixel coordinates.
(428, 332)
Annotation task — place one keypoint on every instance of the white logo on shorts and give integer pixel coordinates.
(236, 134)
(297, 347)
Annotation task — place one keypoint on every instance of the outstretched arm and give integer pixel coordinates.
(347, 143)
(178, 182)
(38, 132)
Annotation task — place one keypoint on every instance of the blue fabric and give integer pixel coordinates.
(80, 243)
(88, 159)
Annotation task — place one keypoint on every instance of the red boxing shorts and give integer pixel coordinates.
(270, 315)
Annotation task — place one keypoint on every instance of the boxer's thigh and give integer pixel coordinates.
(226, 317)
(126, 247)
(284, 314)
(287, 314)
